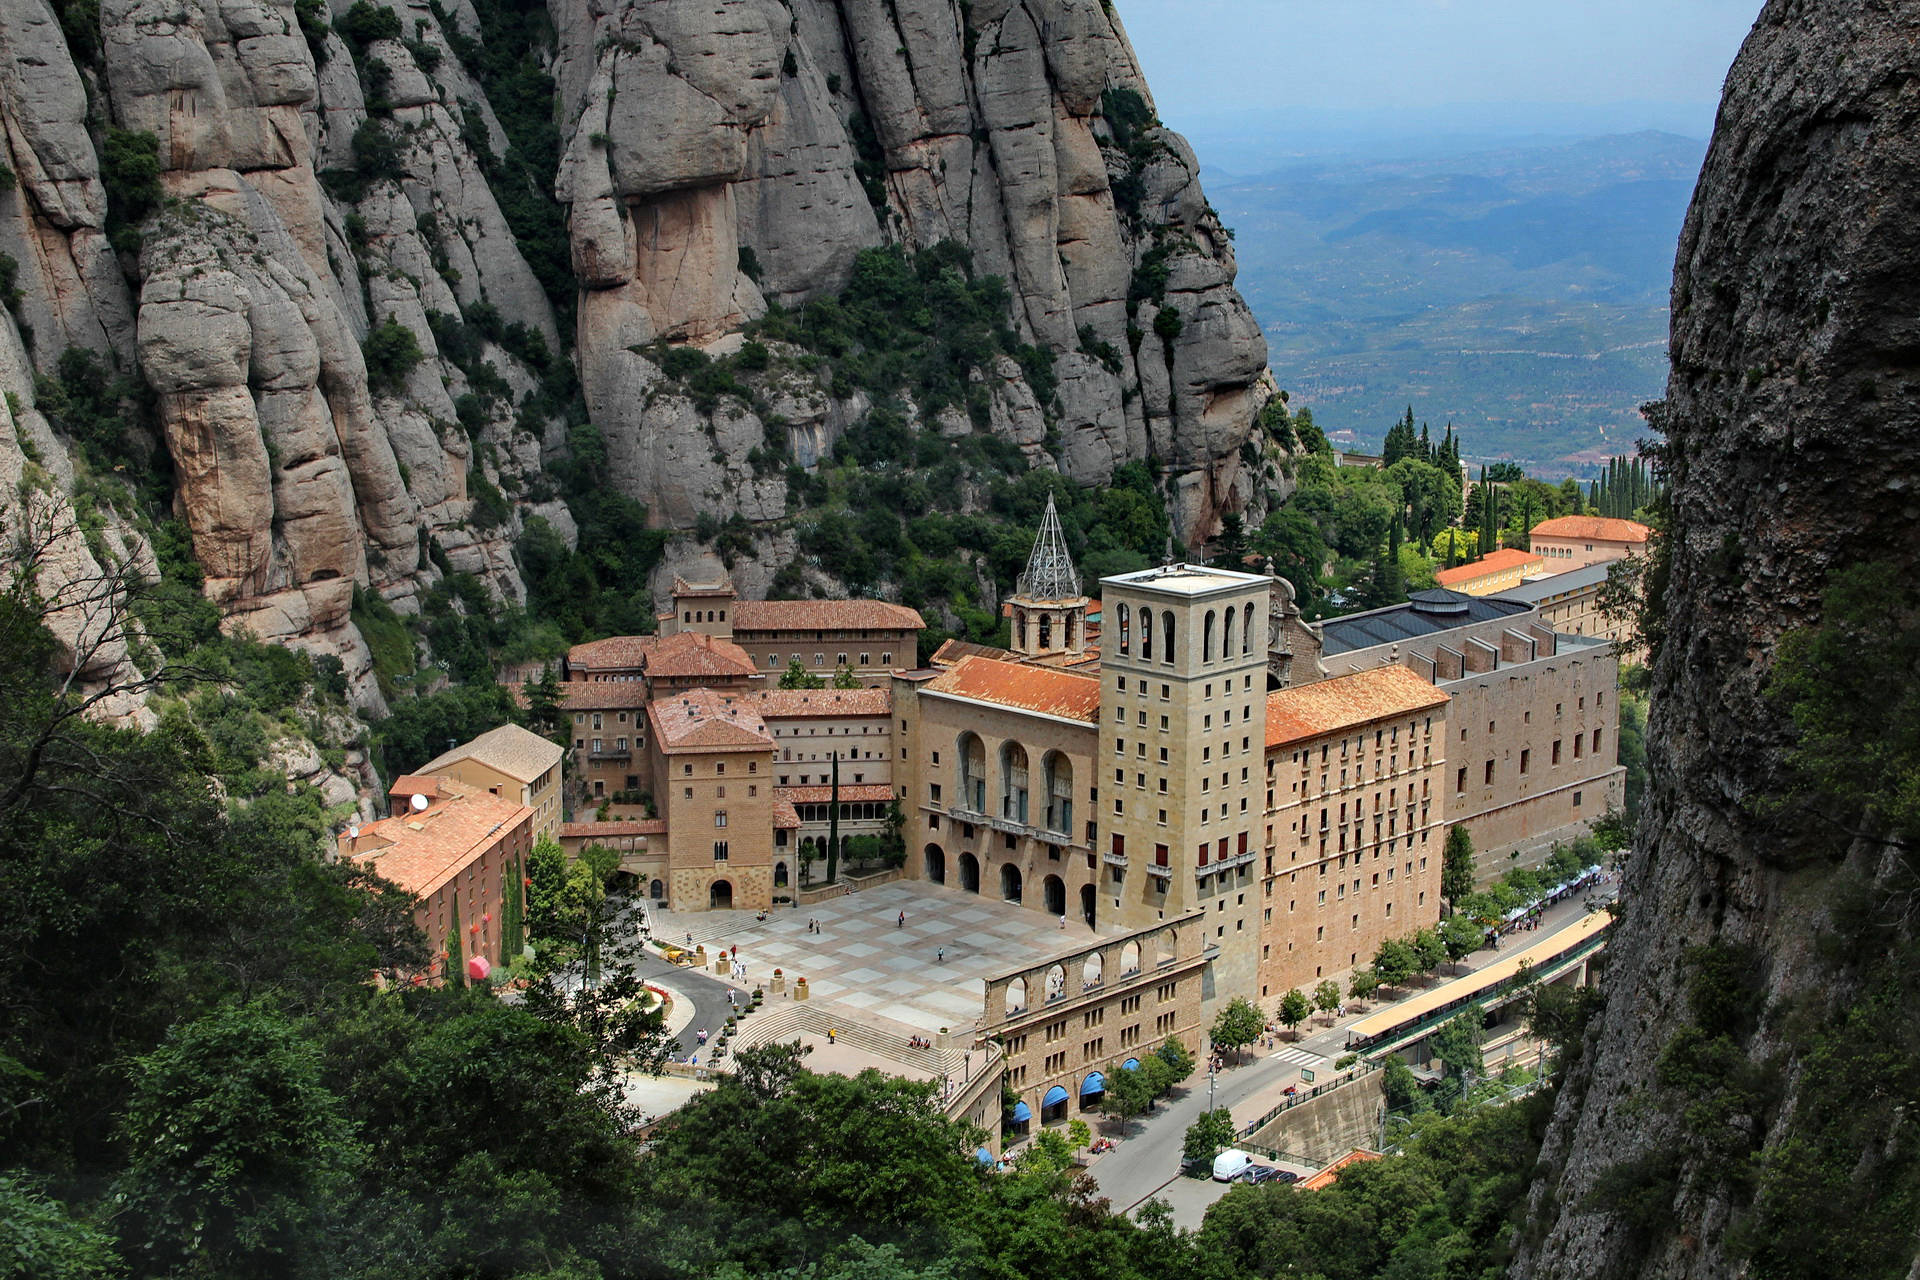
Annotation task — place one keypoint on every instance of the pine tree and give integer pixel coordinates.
(513, 914)
(456, 970)
(1426, 445)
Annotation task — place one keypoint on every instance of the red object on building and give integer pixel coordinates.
(478, 968)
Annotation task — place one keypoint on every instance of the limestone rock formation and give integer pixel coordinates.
(1793, 449)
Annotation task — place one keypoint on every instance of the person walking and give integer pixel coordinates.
(701, 1035)
(940, 955)
(901, 923)
(832, 1032)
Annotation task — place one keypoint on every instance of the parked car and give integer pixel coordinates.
(1230, 1164)
(1260, 1173)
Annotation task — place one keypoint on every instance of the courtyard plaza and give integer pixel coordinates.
(865, 961)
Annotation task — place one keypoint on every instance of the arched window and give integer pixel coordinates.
(1126, 621)
(1146, 634)
(1166, 623)
(1013, 782)
(1246, 631)
(1046, 632)
(1206, 638)
(1226, 635)
(973, 773)
(1059, 773)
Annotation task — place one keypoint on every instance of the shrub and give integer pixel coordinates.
(391, 352)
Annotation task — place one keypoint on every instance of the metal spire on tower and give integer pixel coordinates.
(1050, 573)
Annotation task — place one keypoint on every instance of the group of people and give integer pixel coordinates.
(919, 1042)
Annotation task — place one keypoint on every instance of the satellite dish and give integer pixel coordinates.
(419, 804)
(353, 832)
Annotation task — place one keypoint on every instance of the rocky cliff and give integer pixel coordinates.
(1743, 1103)
(338, 274)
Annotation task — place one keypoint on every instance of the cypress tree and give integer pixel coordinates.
(456, 959)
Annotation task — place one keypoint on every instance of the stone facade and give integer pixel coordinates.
(711, 766)
(1067, 1023)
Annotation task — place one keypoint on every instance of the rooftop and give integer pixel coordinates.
(1535, 590)
(694, 655)
(788, 704)
(614, 652)
(518, 753)
(857, 793)
(1506, 558)
(722, 587)
(421, 850)
(616, 827)
(1328, 706)
(1426, 613)
(823, 615)
(1185, 579)
(702, 720)
(1024, 688)
(1597, 528)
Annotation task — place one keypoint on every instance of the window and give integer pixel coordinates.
(1526, 758)
(866, 660)
(1556, 751)
(719, 817)
(1576, 799)
(719, 850)
(1460, 776)
(1488, 781)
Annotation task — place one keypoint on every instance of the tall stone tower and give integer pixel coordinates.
(1183, 730)
(1049, 613)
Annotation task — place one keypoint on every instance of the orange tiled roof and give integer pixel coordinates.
(1598, 528)
(854, 793)
(779, 704)
(823, 615)
(509, 749)
(692, 654)
(603, 695)
(617, 827)
(1024, 688)
(784, 816)
(1328, 706)
(415, 784)
(1505, 558)
(951, 651)
(422, 851)
(612, 653)
(681, 587)
(702, 720)
(1331, 1174)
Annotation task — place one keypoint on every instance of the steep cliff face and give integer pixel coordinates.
(1793, 450)
(333, 181)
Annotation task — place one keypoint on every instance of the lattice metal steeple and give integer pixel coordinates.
(1050, 573)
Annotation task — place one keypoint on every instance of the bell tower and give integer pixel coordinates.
(1049, 613)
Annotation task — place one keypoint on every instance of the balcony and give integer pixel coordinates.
(1113, 859)
(1160, 869)
(1227, 863)
(611, 754)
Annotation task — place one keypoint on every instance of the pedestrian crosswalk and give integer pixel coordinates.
(1299, 1057)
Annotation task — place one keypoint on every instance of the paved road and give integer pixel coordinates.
(1150, 1153)
(708, 994)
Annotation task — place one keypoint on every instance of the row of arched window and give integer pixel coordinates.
(1014, 799)
(1215, 624)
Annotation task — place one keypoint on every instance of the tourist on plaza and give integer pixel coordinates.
(901, 923)
(941, 955)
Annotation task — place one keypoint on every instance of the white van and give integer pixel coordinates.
(1229, 1164)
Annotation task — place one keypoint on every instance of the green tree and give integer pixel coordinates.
(843, 678)
(1326, 996)
(1394, 962)
(1456, 864)
(1208, 1136)
(1237, 1025)
(1461, 937)
(1429, 951)
(797, 676)
(1457, 1042)
(1177, 1059)
(1130, 1091)
(40, 1239)
(1363, 982)
(1295, 1008)
(1402, 1088)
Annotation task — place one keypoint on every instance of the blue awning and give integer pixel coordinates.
(1094, 1083)
(1021, 1113)
(1055, 1094)
(1131, 1064)
(983, 1155)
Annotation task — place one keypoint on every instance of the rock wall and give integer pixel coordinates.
(718, 158)
(1793, 448)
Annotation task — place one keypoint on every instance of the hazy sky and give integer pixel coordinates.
(1208, 60)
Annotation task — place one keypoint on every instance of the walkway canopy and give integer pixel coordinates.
(1094, 1083)
(1131, 1064)
(983, 1155)
(1054, 1095)
(1021, 1113)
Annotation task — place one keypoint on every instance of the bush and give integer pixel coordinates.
(391, 352)
(130, 172)
(364, 23)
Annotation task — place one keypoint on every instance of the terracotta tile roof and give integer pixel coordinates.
(1598, 528)
(681, 587)
(823, 615)
(1504, 559)
(422, 851)
(617, 827)
(614, 653)
(951, 651)
(517, 752)
(1331, 1174)
(784, 817)
(692, 654)
(1024, 688)
(782, 704)
(854, 793)
(702, 720)
(603, 695)
(415, 784)
(1328, 706)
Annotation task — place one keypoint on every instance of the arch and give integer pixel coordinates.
(972, 754)
(1053, 892)
(1094, 971)
(657, 891)
(1246, 631)
(1226, 633)
(720, 896)
(1163, 947)
(779, 875)
(1016, 994)
(1046, 632)
(1053, 1106)
(1086, 904)
(969, 873)
(1093, 1090)
(1130, 958)
(1166, 625)
(1125, 614)
(1013, 782)
(1056, 985)
(1206, 637)
(1057, 770)
(1146, 634)
(1010, 887)
(935, 864)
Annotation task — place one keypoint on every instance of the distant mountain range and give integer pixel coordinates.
(1519, 293)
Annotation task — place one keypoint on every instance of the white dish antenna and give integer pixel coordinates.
(419, 804)
(353, 832)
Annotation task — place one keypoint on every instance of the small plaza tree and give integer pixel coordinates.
(1238, 1025)
(1326, 996)
(1208, 1136)
(1294, 1009)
